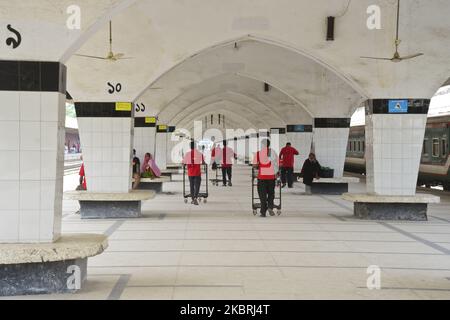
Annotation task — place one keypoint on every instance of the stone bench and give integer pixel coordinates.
(332, 186)
(380, 207)
(99, 205)
(152, 184)
(170, 172)
(43, 268)
(174, 166)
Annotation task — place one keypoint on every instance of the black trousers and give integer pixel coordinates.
(194, 183)
(226, 172)
(287, 174)
(266, 192)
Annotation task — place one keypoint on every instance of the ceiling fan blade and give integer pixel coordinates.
(412, 56)
(375, 58)
(88, 56)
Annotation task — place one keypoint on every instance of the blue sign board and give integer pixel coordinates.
(398, 106)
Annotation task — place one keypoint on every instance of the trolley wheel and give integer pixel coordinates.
(204, 200)
(185, 200)
(255, 212)
(278, 212)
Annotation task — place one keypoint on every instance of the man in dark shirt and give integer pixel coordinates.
(136, 170)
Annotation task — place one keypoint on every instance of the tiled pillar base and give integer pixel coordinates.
(106, 137)
(300, 136)
(161, 148)
(330, 142)
(32, 115)
(40, 278)
(394, 146)
(144, 136)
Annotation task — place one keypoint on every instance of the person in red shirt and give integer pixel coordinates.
(225, 157)
(287, 165)
(193, 160)
(266, 160)
(82, 175)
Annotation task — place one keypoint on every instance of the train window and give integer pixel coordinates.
(435, 146)
(425, 150)
(443, 147)
(363, 146)
(359, 146)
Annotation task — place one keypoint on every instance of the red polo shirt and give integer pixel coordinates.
(223, 156)
(287, 157)
(193, 160)
(266, 169)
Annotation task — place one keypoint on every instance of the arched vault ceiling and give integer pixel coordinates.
(242, 106)
(291, 53)
(230, 109)
(273, 104)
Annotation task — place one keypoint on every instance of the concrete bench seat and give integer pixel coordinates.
(99, 205)
(170, 172)
(332, 186)
(175, 166)
(382, 207)
(42, 268)
(154, 184)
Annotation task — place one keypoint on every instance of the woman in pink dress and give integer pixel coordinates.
(149, 165)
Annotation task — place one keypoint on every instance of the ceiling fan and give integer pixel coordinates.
(111, 56)
(397, 57)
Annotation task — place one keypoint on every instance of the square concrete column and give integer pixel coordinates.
(301, 138)
(394, 137)
(330, 142)
(32, 115)
(161, 146)
(144, 136)
(106, 133)
(171, 155)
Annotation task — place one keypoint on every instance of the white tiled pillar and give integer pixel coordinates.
(106, 135)
(144, 136)
(330, 142)
(300, 136)
(32, 116)
(393, 148)
(161, 148)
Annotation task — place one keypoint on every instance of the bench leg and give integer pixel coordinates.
(110, 209)
(42, 278)
(391, 211)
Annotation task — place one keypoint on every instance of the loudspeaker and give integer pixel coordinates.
(330, 29)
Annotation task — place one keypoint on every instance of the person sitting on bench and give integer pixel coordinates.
(149, 168)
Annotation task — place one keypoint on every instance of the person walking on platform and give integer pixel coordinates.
(225, 157)
(310, 170)
(266, 161)
(287, 165)
(193, 159)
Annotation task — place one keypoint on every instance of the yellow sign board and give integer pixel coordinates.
(150, 120)
(123, 106)
(162, 127)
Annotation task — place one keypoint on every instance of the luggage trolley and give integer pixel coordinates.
(201, 195)
(215, 182)
(255, 197)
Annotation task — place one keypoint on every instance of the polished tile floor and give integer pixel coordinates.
(219, 250)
